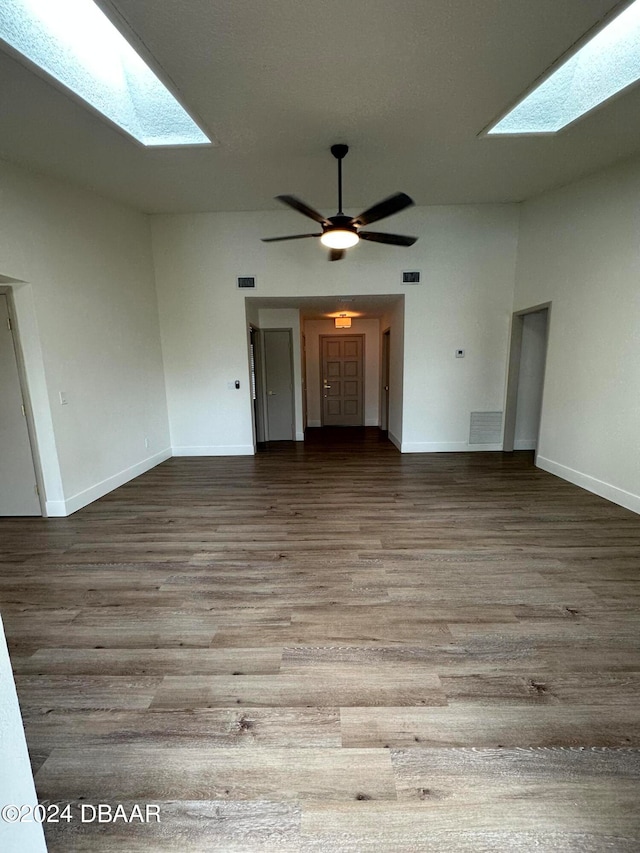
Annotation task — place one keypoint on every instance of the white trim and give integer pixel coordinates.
(598, 487)
(299, 436)
(215, 450)
(16, 778)
(525, 444)
(371, 422)
(60, 509)
(314, 423)
(395, 440)
(446, 447)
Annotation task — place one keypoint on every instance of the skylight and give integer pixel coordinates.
(605, 65)
(75, 42)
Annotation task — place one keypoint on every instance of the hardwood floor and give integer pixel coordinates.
(334, 648)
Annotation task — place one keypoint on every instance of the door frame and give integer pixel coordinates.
(513, 374)
(363, 370)
(385, 372)
(258, 405)
(7, 291)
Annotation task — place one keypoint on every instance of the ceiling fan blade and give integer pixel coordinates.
(336, 254)
(292, 237)
(393, 239)
(387, 207)
(303, 208)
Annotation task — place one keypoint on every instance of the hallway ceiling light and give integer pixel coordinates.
(74, 42)
(343, 322)
(605, 65)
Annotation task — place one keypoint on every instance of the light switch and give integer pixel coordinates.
(459, 353)
(63, 398)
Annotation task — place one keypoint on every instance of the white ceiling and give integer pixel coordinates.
(408, 84)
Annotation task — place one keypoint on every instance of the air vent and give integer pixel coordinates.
(411, 277)
(485, 428)
(246, 282)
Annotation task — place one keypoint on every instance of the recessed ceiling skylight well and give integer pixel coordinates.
(76, 43)
(604, 66)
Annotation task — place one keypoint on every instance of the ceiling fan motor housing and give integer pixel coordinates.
(342, 223)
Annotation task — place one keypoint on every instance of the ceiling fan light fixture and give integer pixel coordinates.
(341, 232)
(339, 238)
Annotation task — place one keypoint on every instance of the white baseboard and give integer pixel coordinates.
(60, 509)
(215, 450)
(525, 444)
(395, 440)
(446, 447)
(299, 436)
(598, 487)
(314, 423)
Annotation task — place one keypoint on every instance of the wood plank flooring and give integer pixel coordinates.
(334, 647)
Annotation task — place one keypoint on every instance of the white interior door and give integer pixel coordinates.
(278, 370)
(18, 491)
(525, 382)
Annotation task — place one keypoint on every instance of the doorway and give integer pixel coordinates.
(257, 391)
(19, 493)
(384, 376)
(342, 380)
(278, 374)
(525, 385)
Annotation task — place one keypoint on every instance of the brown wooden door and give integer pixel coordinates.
(342, 380)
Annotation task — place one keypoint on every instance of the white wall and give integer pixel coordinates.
(16, 779)
(530, 380)
(466, 255)
(289, 318)
(371, 331)
(580, 249)
(87, 317)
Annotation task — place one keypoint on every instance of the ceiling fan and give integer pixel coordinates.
(340, 232)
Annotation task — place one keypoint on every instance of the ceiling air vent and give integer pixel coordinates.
(411, 277)
(246, 282)
(485, 428)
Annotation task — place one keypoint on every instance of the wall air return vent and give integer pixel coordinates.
(485, 428)
(246, 282)
(411, 277)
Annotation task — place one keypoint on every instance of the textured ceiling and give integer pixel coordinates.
(408, 84)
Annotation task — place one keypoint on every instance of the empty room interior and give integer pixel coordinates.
(319, 463)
